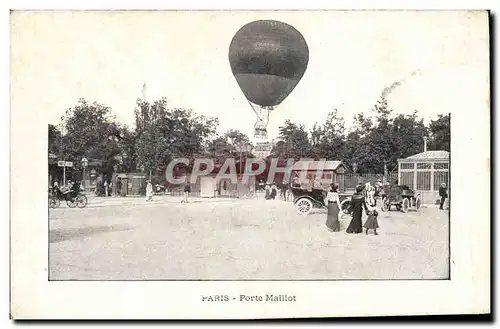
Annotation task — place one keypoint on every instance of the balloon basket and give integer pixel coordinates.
(260, 133)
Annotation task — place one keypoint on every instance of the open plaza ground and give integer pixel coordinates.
(238, 239)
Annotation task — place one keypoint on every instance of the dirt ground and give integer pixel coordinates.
(250, 239)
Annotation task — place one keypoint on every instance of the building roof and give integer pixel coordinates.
(316, 165)
(428, 156)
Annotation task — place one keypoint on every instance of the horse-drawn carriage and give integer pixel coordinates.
(400, 196)
(306, 200)
(73, 197)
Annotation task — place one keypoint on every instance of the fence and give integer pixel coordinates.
(350, 181)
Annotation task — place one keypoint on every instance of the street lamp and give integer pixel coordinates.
(84, 163)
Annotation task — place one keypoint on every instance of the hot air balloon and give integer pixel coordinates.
(268, 58)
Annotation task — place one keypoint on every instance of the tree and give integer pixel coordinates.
(220, 149)
(382, 110)
(409, 132)
(293, 142)
(328, 141)
(151, 149)
(54, 139)
(147, 114)
(91, 130)
(163, 134)
(358, 155)
(236, 137)
(374, 145)
(227, 146)
(440, 133)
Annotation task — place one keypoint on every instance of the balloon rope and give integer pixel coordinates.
(253, 108)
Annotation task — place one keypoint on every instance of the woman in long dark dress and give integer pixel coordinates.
(332, 219)
(356, 209)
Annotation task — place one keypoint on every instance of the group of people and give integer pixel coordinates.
(108, 188)
(70, 190)
(357, 205)
(150, 192)
(363, 199)
(70, 185)
(271, 191)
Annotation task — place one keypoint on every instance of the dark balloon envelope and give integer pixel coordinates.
(268, 58)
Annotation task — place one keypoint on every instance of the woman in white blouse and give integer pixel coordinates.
(333, 202)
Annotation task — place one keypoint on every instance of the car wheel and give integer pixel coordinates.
(303, 206)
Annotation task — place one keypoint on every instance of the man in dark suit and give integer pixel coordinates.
(443, 193)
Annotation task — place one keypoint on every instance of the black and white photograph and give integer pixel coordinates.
(258, 147)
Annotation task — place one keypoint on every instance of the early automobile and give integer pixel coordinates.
(401, 197)
(306, 200)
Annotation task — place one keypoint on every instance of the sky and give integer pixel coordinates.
(59, 57)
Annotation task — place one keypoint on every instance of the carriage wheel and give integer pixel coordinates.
(344, 206)
(406, 205)
(71, 204)
(54, 203)
(385, 206)
(418, 202)
(81, 201)
(303, 206)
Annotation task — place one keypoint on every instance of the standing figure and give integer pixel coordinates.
(356, 209)
(333, 202)
(187, 190)
(118, 187)
(149, 191)
(316, 184)
(274, 192)
(268, 192)
(284, 190)
(378, 187)
(443, 193)
(372, 222)
(289, 193)
(105, 188)
(370, 194)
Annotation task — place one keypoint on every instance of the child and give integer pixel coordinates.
(371, 222)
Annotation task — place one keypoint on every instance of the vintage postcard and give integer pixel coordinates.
(249, 164)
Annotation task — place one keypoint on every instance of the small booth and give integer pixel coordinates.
(128, 183)
(424, 173)
(208, 187)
